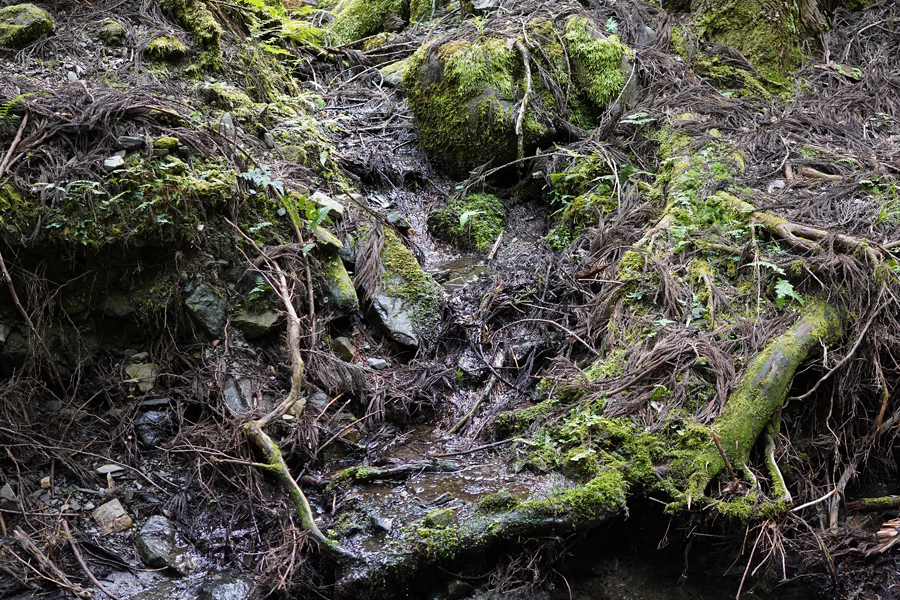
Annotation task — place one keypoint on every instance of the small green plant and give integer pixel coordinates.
(262, 179)
(785, 292)
(611, 26)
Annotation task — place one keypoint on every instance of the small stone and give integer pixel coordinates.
(399, 222)
(268, 140)
(318, 401)
(379, 364)
(381, 523)
(112, 163)
(255, 325)
(158, 549)
(45, 482)
(111, 517)
(324, 202)
(778, 184)
(281, 212)
(166, 48)
(645, 35)
(150, 426)
(344, 348)
(144, 373)
(457, 590)
(129, 143)
(139, 357)
(208, 306)
(166, 142)
(73, 504)
(326, 240)
(226, 125)
(7, 494)
(441, 518)
(89, 506)
(72, 76)
(159, 152)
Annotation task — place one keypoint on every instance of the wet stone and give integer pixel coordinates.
(399, 222)
(103, 470)
(111, 517)
(443, 517)
(112, 163)
(457, 590)
(150, 427)
(208, 307)
(7, 495)
(344, 348)
(158, 549)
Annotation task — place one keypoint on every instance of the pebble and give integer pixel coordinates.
(112, 518)
(379, 364)
(72, 76)
(109, 469)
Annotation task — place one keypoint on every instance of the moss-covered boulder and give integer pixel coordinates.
(340, 291)
(405, 306)
(113, 33)
(356, 19)
(166, 48)
(468, 93)
(194, 16)
(23, 23)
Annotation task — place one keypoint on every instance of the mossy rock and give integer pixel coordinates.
(357, 19)
(113, 33)
(224, 96)
(341, 293)
(21, 24)
(466, 95)
(769, 38)
(474, 222)
(166, 142)
(195, 17)
(406, 306)
(166, 48)
(424, 10)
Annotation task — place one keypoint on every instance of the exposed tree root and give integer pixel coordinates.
(763, 390)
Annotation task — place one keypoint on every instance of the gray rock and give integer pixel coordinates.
(344, 348)
(379, 364)
(7, 495)
(268, 140)
(471, 366)
(112, 163)
(318, 401)
(208, 307)
(394, 72)
(226, 125)
(324, 202)
(484, 6)
(256, 325)
(111, 517)
(144, 373)
(21, 24)
(158, 548)
(395, 319)
(399, 222)
(457, 590)
(238, 393)
(150, 427)
(116, 304)
(72, 76)
(645, 35)
(225, 587)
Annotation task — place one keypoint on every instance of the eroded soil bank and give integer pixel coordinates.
(382, 299)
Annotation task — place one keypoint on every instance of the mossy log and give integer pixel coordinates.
(414, 552)
(762, 392)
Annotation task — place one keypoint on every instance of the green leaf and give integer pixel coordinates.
(765, 263)
(785, 291)
(466, 216)
(612, 26)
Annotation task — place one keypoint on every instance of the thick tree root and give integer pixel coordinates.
(762, 392)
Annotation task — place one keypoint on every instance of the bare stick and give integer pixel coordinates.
(47, 565)
(481, 398)
(83, 564)
(520, 118)
(5, 163)
(496, 246)
(724, 457)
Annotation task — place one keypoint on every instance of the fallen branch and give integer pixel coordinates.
(82, 562)
(47, 565)
(362, 473)
(4, 164)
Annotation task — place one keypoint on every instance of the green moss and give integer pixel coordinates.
(194, 16)
(439, 543)
(166, 48)
(224, 96)
(580, 464)
(520, 419)
(497, 502)
(404, 278)
(341, 293)
(475, 221)
(113, 33)
(612, 365)
(599, 498)
(597, 60)
(440, 518)
(460, 92)
(23, 23)
(166, 142)
(361, 18)
(768, 35)
(421, 10)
